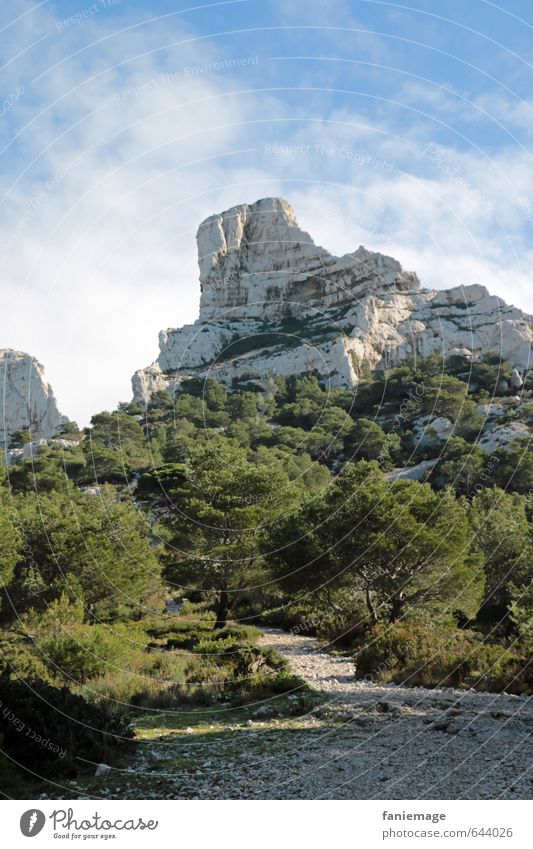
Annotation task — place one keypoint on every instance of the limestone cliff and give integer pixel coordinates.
(26, 398)
(273, 302)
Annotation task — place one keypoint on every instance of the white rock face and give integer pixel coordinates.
(501, 437)
(413, 473)
(429, 429)
(26, 398)
(273, 302)
(492, 410)
(255, 262)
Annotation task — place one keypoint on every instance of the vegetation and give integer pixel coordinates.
(424, 656)
(399, 545)
(262, 504)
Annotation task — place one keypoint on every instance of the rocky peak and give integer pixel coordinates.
(251, 238)
(26, 398)
(255, 259)
(273, 302)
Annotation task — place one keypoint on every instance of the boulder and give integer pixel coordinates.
(102, 769)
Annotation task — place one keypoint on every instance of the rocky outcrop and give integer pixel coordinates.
(255, 261)
(26, 398)
(273, 302)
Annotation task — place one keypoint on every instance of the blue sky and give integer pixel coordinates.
(404, 127)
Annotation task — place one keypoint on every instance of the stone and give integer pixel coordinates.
(430, 430)
(493, 409)
(264, 711)
(256, 257)
(274, 303)
(102, 769)
(26, 400)
(30, 449)
(502, 436)
(413, 473)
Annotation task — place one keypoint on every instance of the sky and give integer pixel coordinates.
(124, 123)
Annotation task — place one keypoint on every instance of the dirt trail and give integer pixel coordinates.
(365, 741)
(393, 741)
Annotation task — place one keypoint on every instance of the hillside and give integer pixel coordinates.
(384, 521)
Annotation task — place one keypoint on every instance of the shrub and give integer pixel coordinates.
(18, 658)
(286, 683)
(414, 654)
(85, 651)
(148, 679)
(51, 732)
(102, 544)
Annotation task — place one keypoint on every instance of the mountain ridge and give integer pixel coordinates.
(262, 276)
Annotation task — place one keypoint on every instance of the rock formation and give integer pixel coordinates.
(26, 399)
(273, 302)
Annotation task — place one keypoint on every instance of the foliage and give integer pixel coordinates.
(267, 501)
(513, 467)
(410, 652)
(220, 503)
(115, 445)
(522, 612)
(72, 541)
(504, 533)
(11, 542)
(49, 471)
(400, 544)
(52, 732)
(461, 465)
(85, 651)
(19, 438)
(368, 441)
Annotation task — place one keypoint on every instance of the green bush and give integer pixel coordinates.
(88, 650)
(287, 683)
(18, 658)
(414, 654)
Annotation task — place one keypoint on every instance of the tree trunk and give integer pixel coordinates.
(222, 609)
(397, 605)
(371, 608)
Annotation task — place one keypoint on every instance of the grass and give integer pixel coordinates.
(189, 752)
(185, 663)
(184, 684)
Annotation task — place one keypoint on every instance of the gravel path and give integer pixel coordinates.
(395, 742)
(362, 741)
